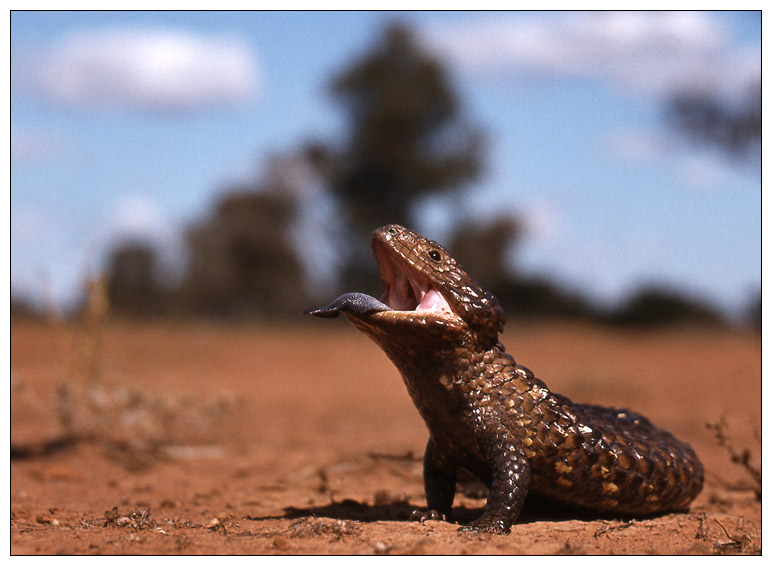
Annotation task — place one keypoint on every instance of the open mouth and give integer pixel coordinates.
(404, 289)
(405, 292)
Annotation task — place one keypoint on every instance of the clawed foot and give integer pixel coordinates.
(481, 525)
(484, 525)
(422, 515)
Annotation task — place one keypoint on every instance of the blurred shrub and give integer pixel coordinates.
(22, 307)
(133, 284)
(242, 263)
(655, 306)
(538, 297)
(731, 125)
(753, 312)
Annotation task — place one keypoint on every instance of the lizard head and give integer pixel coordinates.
(423, 286)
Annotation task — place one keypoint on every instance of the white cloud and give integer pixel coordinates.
(635, 145)
(146, 69)
(543, 220)
(34, 147)
(697, 168)
(137, 216)
(649, 53)
(28, 225)
(699, 171)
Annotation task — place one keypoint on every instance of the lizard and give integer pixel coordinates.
(492, 416)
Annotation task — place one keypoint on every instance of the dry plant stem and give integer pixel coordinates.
(742, 458)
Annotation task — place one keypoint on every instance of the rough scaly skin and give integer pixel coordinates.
(490, 415)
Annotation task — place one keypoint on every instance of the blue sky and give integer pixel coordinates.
(129, 124)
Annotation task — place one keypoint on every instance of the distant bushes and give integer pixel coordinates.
(484, 249)
(134, 284)
(649, 306)
(243, 265)
(654, 306)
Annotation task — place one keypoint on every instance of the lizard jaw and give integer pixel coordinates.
(406, 290)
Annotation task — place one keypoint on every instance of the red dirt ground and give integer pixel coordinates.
(205, 439)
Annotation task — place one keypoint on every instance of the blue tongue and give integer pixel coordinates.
(358, 303)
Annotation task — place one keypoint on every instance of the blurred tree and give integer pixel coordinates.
(734, 126)
(133, 284)
(242, 262)
(405, 138)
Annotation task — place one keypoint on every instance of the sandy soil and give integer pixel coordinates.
(205, 439)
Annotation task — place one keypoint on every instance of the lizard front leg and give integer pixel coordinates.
(510, 478)
(439, 483)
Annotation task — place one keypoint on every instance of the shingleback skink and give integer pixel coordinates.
(490, 415)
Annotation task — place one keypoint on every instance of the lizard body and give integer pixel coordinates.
(492, 416)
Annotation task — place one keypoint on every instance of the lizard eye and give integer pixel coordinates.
(435, 255)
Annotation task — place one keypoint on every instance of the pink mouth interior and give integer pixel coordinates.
(404, 290)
